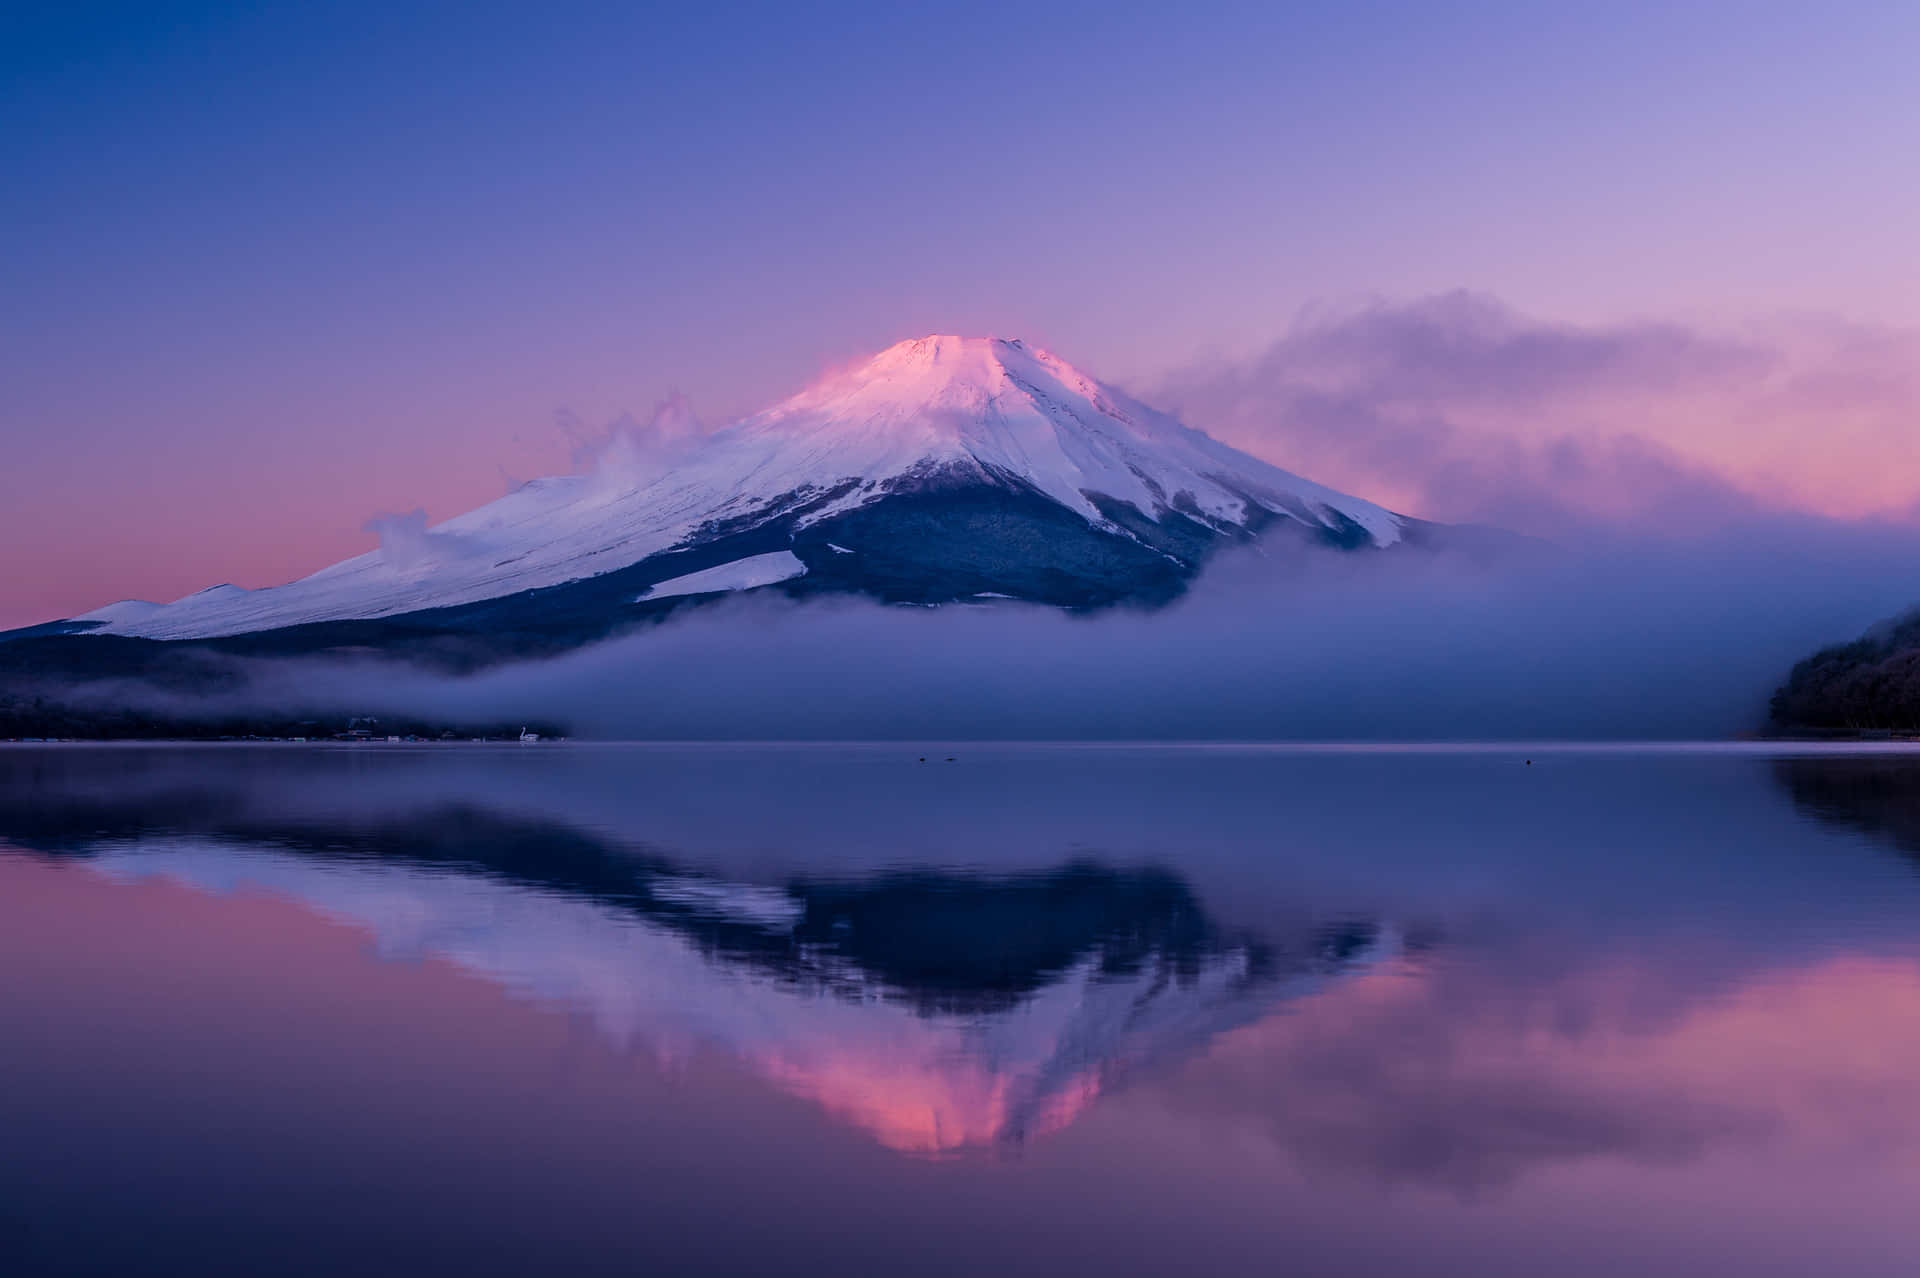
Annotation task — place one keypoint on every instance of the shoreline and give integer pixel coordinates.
(1759, 746)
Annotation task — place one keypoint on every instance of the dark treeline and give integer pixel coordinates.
(49, 718)
(1869, 685)
(111, 688)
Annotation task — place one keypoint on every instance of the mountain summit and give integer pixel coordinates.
(987, 409)
(942, 469)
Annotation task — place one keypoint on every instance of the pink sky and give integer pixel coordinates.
(1517, 420)
(239, 325)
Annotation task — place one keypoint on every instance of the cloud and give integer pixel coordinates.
(409, 545)
(621, 456)
(1460, 409)
(1283, 641)
(627, 454)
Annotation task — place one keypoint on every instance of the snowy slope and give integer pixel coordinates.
(939, 410)
(741, 574)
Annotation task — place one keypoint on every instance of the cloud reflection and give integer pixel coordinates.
(1470, 1077)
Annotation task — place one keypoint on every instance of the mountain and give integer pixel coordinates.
(941, 470)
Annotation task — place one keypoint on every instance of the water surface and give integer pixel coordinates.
(1037, 1009)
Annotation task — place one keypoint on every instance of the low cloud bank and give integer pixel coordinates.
(1282, 642)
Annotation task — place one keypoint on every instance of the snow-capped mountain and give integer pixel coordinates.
(942, 469)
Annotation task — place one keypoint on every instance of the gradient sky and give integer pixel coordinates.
(269, 270)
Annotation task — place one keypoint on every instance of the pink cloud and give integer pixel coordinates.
(1458, 408)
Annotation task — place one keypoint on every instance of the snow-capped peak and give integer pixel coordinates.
(1027, 414)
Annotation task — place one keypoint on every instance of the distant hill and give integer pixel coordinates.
(1869, 685)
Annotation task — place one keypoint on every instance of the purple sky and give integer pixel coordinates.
(272, 270)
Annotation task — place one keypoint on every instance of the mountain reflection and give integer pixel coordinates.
(936, 1009)
(1650, 972)
(1875, 795)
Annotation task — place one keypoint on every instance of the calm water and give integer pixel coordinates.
(1040, 1010)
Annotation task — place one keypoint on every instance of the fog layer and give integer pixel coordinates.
(1276, 642)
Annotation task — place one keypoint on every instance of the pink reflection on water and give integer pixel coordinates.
(1586, 1114)
(1472, 1077)
(1472, 1074)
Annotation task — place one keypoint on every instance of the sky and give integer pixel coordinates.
(272, 271)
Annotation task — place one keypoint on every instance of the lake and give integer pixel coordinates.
(1033, 1009)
